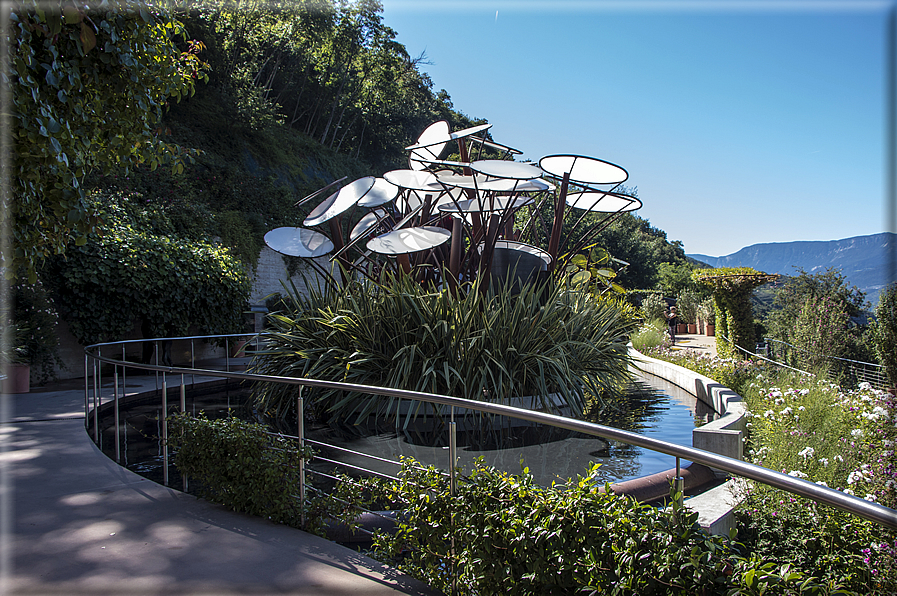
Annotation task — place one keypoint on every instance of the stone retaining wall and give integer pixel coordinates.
(724, 435)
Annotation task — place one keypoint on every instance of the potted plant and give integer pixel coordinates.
(33, 350)
(707, 314)
(687, 302)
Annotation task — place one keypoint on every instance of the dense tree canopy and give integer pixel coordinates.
(330, 69)
(797, 324)
(88, 89)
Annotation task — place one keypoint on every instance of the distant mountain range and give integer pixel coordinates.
(863, 260)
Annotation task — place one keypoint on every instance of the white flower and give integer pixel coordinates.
(879, 412)
(824, 461)
(807, 452)
(797, 474)
(775, 392)
(786, 411)
(848, 491)
(839, 458)
(804, 391)
(768, 414)
(779, 401)
(822, 483)
(857, 432)
(870, 497)
(865, 386)
(801, 409)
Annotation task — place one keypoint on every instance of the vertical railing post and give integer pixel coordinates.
(186, 486)
(96, 404)
(124, 371)
(164, 429)
(117, 421)
(453, 456)
(300, 432)
(86, 391)
(679, 485)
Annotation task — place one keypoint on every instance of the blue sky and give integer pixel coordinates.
(739, 122)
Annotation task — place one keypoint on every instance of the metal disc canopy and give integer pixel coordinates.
(492, 212)
(298, 242)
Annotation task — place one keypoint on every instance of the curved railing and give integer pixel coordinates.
(94, 358)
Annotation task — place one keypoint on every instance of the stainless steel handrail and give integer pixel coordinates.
(821, 494)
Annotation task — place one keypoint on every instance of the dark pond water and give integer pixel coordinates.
(653, 407)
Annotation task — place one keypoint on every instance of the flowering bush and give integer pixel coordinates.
(731, 372)
(651, 334)
(811, 429)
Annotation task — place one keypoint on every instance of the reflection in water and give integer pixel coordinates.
(551, 454)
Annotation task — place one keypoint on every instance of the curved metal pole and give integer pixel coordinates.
(828, 496)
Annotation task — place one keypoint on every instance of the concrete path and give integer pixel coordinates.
(74, 522)
(696, 342)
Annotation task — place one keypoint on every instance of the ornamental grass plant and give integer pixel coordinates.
(651, 334)
(488, 346)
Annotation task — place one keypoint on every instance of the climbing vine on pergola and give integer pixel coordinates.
(732, 287)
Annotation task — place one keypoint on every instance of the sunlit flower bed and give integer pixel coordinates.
(730, 372)
(812, 429)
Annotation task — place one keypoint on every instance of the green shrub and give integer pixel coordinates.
(479, 346)
(651, 335)
(504, 534)
(820, 332)
(653, 307)
(884, 332)
(246, 468)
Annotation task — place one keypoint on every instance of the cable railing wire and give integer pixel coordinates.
(851, 372)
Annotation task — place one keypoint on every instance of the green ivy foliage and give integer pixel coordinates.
(732, 287)
(88, 88)
(504, 534)
(127, 272)
(884, 332)
(246, 468)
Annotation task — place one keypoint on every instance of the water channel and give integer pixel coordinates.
(654, 407)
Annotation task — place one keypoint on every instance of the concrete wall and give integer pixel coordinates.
(724, 435)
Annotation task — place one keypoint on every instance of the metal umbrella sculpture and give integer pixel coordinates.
(450, 222)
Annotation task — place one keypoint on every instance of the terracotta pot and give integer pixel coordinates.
(238, 349)
(18, 379)
(693, 328)
(682, 328)
(709, 330)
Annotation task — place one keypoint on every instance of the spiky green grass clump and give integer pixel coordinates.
(487, 346)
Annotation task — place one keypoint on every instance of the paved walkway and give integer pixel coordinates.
(74, 522)
(696, 342)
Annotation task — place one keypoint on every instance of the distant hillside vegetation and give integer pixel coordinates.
(863, 260)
